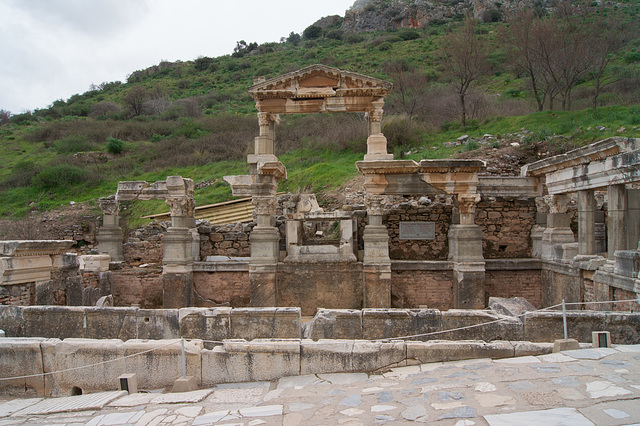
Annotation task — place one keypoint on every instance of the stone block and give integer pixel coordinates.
(177, 290)
(441, 350)
(508, 328)
(54, 321)
(21, 357)
(547, 326)
(110, 323)
(601, 339)
(531, 348)
(514, 306)
(627, 263)
(95, 262)
(326, 356)
(12, 320)
(157, 324)
(565, 345)
(256, 323)
(392, 323)
(372, 356)
(336, 324)
(205, 323)
(623, 326)
(128, 382)
(258, 360)
(158, 369)
(184, 384)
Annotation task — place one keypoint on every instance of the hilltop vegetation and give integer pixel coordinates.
(570, 71)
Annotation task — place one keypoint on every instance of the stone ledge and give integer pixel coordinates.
(512, 264)
(421, 265)
(231, 266)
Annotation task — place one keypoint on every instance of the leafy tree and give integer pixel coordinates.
(294, 38)
(465, 61)
(312, 32)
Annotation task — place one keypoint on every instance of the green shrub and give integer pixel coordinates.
(61, 176)
(73, 144)
(22, 175)
(471, 145)
(385, 46)
(312, 32)
(408, 34)
(353, 38)
(115, 146)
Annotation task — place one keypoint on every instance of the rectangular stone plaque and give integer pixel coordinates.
(417, 230)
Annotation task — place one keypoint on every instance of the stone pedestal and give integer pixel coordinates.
(376, 244)
(177, 274)
(262, 281)
(377, 285)
(265, 245)
(465, 250)
(557, 232)
(110, 242)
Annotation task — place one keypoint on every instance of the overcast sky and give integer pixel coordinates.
(52, 49)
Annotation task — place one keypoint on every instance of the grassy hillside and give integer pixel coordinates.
(196, 119)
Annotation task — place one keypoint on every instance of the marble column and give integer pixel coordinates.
(586, 222)
(542, 210)
(265, 251)
(376, 261)
(616, 230)
(177, 258)
(465, 252)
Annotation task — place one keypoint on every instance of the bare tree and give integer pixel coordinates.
(608, 37)
(409, 90)
(135, 99)
(465, 61)
(4, 116)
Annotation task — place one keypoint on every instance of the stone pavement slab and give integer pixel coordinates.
(598, 387)
(92, 401)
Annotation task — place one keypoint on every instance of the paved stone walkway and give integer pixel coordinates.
(582, 387)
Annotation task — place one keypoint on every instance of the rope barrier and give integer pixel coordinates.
(394, 338)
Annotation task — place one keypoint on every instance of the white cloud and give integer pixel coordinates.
(52, 49)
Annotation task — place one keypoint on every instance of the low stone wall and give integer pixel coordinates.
(230, 362)
(217, 324)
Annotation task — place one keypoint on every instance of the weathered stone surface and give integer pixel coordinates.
(514, 306)
(258, 360)
(335, 324)
(254, 323)
(54, 321)
(547, 326)
(326, 356)
(437, 351)
(627, 263)
(392, 323)
(157, 324)
(113, 323)
(371, 356)
(501, 328)
(205, 323)
(21, 357)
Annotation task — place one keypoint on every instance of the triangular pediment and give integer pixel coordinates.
(319, 81)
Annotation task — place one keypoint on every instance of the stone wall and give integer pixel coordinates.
(18, 294)
(438, 211)
(137, 286)
(227, 287)
(514, 283)
(225, 240)
(416, 284)
(221, 323)
(231, 361)
(506, 227)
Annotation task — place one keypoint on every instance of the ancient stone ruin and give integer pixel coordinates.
(434, 234)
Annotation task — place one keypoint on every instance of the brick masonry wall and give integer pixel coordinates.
(526, 284)
(620, 294)
(138, 286)
(223, 287)
(415, 211)
(410, 289)
(18, 294)
(506, 227)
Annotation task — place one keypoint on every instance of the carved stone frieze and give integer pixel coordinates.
(557, 203)
(265, 205)
(109, 205)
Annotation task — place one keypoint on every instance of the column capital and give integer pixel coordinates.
(374, 204)
(557, 203)
(181, 206)
(265, 205)
(109, 205)
(541, 205)
(266, 118)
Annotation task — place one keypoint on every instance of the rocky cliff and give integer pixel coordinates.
(379, 15)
